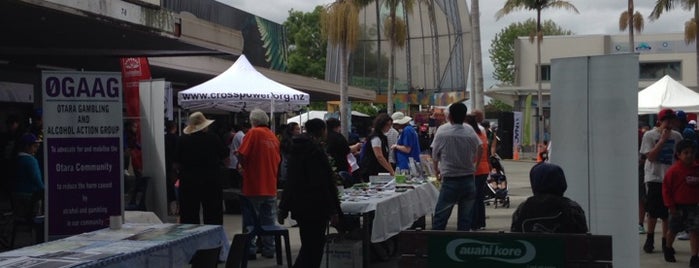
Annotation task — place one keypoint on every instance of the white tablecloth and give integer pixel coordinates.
(395, 211)
(134, 245)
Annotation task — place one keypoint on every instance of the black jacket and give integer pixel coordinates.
(311, 190)
(338, 150)
(549, 213)
(369, 164)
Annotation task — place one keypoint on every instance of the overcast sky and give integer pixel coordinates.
(596, 17)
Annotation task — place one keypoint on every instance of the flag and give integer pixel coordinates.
(526, 136)
(133, 70)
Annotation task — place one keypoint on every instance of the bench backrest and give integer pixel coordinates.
(423, 248)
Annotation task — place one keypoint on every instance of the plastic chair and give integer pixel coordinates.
(237, 252)
(263, 230)
(205, 258)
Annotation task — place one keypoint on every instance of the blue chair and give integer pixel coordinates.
(264, 230)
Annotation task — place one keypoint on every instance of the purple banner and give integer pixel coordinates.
(86, 175)
(82, 150)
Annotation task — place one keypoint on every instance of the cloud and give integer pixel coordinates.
(596, 17)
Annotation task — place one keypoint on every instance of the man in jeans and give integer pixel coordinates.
(259, 156)
(455, 149)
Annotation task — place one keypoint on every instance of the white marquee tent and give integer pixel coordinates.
(302, 118)
(242, 88)
(667, 93)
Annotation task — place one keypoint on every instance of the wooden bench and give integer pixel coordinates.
(423, 248)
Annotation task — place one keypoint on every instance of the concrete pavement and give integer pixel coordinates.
(498, 219)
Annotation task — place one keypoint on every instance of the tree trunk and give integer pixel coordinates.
(539, 93)
(632, 45)
(391, 63)
(344, 101)
(477, 57)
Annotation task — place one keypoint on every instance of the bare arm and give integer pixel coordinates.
(438, 174)
(653, 154)
(494, 146)
(403, 148)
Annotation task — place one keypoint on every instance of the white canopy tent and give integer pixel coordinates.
(242, 88)
(667, 93)
(302, 118)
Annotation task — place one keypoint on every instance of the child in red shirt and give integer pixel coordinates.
(681, 197)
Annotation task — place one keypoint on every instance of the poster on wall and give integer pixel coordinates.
(83, 150)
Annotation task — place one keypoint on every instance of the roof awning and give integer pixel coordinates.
(510, 94)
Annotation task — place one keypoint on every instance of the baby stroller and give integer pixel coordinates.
(496, 186)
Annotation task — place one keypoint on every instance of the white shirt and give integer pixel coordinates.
(392, 139)
(233, 147)
(655, 170)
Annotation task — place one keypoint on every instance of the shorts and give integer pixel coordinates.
(654, 201)
(687, 218)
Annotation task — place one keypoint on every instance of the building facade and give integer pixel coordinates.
(659, 55)
(435, 58)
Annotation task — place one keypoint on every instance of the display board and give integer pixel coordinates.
(83, 164)
(593, 127)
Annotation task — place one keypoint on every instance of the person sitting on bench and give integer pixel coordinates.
(548, 211)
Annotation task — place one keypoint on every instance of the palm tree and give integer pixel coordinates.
(396, 32)
(691, 31)
(633, 22)
(477, 57)
(538, 5)
(340, 24)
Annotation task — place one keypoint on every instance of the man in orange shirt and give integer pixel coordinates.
(259, 156)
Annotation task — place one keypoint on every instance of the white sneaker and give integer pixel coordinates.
(682, 235)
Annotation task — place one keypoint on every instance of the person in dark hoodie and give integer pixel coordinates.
(548, 211)
(311, 193)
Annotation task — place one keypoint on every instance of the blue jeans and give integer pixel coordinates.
(478, 212)
(266, 209)
(459, 191)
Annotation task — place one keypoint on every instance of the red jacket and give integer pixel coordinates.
(681, 185)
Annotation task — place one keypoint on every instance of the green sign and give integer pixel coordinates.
(493, 252)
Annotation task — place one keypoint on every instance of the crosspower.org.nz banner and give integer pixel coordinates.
(83, 150)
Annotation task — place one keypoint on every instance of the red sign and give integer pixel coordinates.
(133, 70)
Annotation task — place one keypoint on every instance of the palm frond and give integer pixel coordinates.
(688, 4)
(401, 31)
(340, 23)
(408, 6)
(660, 7)
(509, 7)
(623, 21)
(638, 22)
(560, 4)
(690, 31)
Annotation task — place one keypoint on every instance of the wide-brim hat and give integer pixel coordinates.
(400, 119)
(197, 121)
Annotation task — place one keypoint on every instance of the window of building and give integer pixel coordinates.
(545, 72)
(656, 70)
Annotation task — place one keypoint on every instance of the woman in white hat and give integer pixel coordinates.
(200, 155)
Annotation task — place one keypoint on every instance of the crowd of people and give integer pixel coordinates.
(319, 158)
(669, 189)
